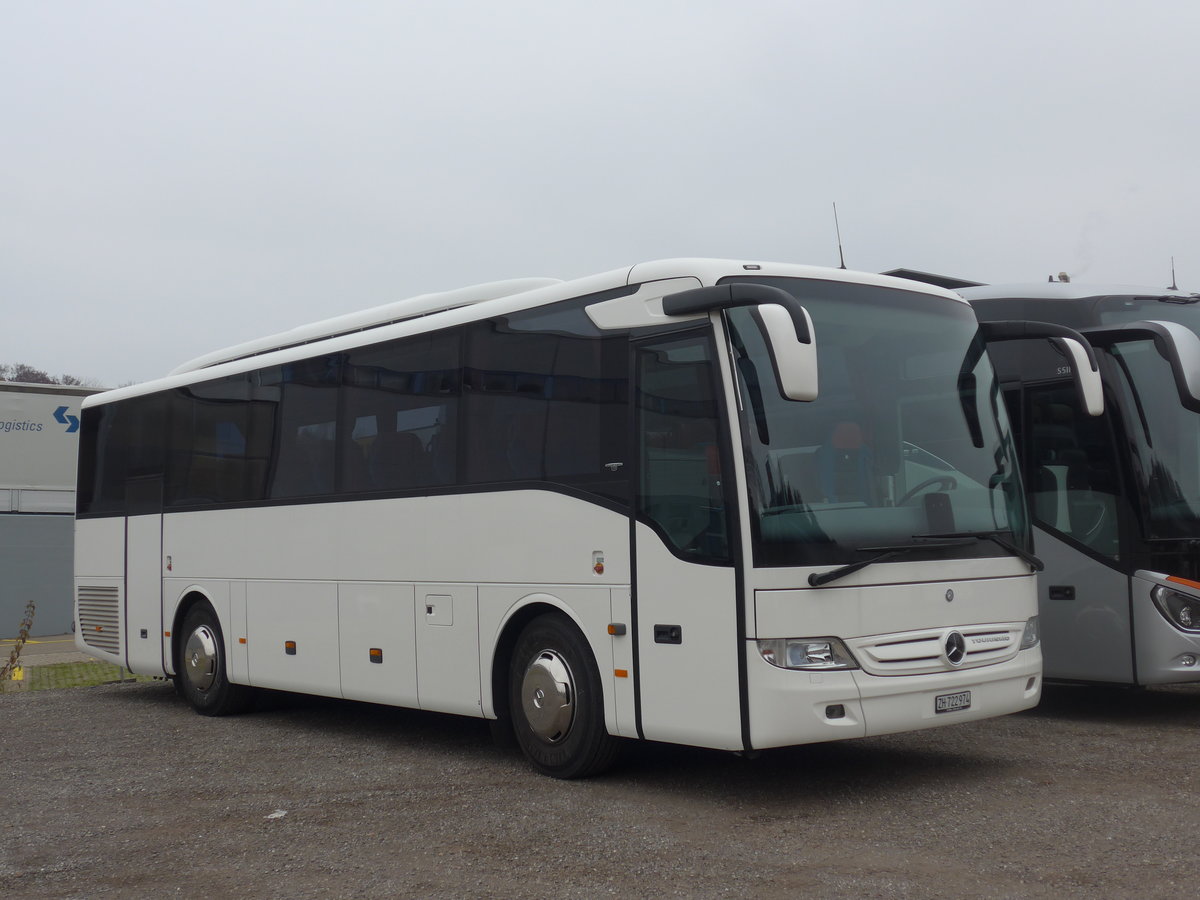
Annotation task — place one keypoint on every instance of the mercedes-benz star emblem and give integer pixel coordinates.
(956, 648)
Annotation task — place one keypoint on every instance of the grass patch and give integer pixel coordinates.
(70, 675)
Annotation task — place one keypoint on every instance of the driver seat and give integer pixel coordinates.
(845, 466)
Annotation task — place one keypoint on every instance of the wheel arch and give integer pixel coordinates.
(521, 614)
(189, 598)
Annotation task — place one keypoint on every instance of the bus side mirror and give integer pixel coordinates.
(1084, 370)
(1087, 379)
(784, 323)
(794, 360)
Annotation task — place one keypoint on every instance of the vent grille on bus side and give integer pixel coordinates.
(923, 652)
(100, 617)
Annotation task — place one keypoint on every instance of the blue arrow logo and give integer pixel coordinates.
(72, 423)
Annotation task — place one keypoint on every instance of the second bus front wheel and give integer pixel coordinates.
(556, 701)
(202, 671)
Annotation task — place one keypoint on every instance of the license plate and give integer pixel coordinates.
(952, 702)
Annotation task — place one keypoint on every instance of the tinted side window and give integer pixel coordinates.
(118, 441)
(304, 398)
(547, 407)
(221, 442)
(401, 411)
(508, 378)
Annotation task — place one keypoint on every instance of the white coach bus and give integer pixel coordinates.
(619, 507)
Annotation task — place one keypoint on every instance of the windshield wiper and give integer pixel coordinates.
(995, 537)
(816, 579)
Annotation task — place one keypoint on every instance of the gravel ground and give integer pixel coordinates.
(121, 790)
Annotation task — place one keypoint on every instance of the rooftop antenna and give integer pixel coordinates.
(1174, 286)
(838, 229)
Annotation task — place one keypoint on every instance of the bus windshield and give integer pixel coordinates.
(1164, 436)
(907, 439)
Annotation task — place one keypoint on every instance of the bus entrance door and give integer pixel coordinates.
(685, 584)
(143, 625)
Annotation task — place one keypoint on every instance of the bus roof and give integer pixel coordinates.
(456, 307)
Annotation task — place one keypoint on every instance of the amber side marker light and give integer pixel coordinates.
(1184, 581)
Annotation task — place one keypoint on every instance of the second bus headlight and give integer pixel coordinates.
(806, 653)
(1181, 610)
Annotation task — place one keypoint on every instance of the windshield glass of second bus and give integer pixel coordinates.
(885, 457)
(1164, 436)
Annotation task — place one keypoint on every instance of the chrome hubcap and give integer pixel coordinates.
(200, 658)
(548, 696)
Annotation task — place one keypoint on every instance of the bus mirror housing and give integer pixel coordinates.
(784, 323)
(1085, 371)
(1176, 343)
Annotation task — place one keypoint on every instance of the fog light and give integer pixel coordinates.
(835, 711)
(1187, 660)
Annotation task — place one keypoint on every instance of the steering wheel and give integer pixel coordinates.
(946, 482)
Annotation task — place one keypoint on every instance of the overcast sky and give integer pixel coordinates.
(178, 177)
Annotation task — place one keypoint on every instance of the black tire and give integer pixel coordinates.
(556, 702)
(202, 671)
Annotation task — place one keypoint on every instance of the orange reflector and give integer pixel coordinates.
(376, 654)
(289, 647)
(241, 640)
(1184, 581)
(166, 634)
(621, 673)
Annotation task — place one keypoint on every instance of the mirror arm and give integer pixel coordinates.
(724, 296)
(1022, 330)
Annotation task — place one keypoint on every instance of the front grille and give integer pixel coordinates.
(100, 617)
(924, 652)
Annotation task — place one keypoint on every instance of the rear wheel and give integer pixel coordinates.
(556, 701)
(202, 671)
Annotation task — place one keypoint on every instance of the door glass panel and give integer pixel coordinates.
(681, 489)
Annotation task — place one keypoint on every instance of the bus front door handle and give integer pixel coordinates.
(1062, 592)
(668, 634)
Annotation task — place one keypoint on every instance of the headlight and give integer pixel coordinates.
(1181, 610)
(1032, 634)
(807, 653)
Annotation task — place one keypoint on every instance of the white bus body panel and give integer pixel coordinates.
(144, 605)
(100, 588)
(291, 636)
(689, 689)
(378, 616)
(341, 579)
(448, 648)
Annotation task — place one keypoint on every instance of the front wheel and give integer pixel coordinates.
(202, 671)
(556, 701)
